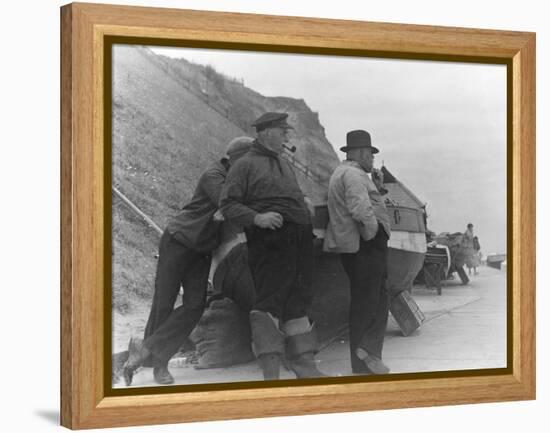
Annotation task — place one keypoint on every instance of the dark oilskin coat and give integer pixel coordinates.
(194, 226)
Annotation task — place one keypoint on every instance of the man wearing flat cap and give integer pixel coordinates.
(184, 260)
(359, 230)
(262, 195)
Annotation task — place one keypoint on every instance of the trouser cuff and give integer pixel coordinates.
(301, 325)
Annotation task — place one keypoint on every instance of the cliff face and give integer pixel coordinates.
(172, 118)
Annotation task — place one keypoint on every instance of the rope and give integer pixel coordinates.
(137, 210)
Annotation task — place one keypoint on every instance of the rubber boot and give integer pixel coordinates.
(268, 343)
(270, 364)
(301, 347)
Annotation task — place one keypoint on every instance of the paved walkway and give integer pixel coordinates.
(465, 328)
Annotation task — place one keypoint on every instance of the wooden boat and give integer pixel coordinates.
(407, 243)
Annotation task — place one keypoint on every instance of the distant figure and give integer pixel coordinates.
(185, 254)
(359, 230)
(477, 254)
(468, 247)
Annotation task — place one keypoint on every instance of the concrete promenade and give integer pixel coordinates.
(465, 328)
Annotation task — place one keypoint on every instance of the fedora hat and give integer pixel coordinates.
(358, 139)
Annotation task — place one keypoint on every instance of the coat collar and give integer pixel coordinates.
(353, 164)
(259, 148)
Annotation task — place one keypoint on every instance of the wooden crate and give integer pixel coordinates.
(406, 312)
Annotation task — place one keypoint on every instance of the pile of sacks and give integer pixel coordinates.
(223, 337)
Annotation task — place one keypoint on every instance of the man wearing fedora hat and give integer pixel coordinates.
(262, 195)
(184, 260)
(359, 230)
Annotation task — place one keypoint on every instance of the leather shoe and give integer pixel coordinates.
(373, 363)
(128, 374)
(361, 370)
(270, 364)
(162, 375)
(137, 353)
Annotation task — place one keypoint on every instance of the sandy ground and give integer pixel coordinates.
(465, 328)
(129, 325)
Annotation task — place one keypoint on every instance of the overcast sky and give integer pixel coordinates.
(440, 126)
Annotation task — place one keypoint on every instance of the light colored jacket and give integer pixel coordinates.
(355, 208)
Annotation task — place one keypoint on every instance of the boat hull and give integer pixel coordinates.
(403, 267)
(406, 253)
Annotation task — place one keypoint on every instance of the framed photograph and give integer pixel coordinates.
(269, 215)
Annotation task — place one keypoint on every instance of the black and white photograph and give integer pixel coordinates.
(166, 297)
(282, 216)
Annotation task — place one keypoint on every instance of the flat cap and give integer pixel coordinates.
(239, 145)
(271, 120)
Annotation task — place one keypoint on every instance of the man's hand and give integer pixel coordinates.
(378, 179)
(269, 220)
(218, 216)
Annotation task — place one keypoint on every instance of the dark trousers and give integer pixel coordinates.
(368, 315)
(281, 263)
(167, 328)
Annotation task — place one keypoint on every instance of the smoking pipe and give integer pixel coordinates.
(290, 149)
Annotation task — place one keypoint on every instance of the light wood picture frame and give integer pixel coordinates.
(87, 32)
